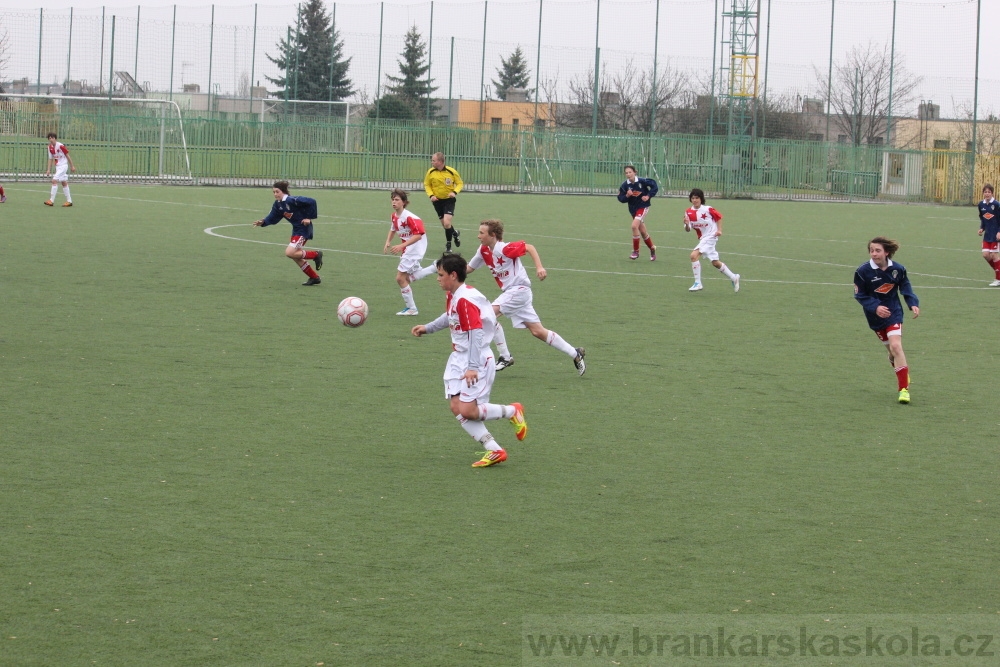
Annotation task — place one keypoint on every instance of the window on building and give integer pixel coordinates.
(877, 141)
(968, 146)
(841, 138)
(815, 136)
(514, 122)
(496, 122)
(942, 144)
(897, 162)
(539, 122)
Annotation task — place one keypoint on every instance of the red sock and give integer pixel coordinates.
(310, 254)
(1, 191)
(635, 243)
(995, 265)
(308, 270)
(903, 377)
(649, 242)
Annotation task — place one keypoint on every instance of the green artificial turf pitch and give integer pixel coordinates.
(201, 466)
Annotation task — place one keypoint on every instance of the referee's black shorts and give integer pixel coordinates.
(444, 207)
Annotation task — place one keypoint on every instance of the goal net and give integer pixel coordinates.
(110, 140)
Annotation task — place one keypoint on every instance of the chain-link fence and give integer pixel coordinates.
(866, 74)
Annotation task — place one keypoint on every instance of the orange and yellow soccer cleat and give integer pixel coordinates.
(520, 425)
(491, 458)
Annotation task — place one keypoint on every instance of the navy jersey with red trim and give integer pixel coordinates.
(989, 220)
(294, 210)
(874, 287)
(646, 187)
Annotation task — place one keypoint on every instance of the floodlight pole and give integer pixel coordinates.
(69, 49)
(173, 43)
(38, 80)
(538, 58)
(975, 106)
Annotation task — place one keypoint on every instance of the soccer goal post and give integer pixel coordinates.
(110, 139)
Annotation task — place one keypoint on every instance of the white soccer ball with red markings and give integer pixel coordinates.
(352, 312)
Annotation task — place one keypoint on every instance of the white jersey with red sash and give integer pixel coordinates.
(504, 263)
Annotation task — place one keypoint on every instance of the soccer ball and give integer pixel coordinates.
(352, 312)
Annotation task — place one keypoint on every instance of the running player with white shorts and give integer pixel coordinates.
(504, 262)
(59, 157)
(470, 371)
(411, 232)
(707, 224)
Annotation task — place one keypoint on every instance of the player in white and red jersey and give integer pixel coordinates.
(707, 224)
(470, 371)
(504, 262)
(411, 232)
(59, 158)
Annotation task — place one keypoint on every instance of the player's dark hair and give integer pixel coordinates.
(401, 194)
(988, 187)
(890, 246)
(494, 227)
(632, 167)
(51, 135)
(697, 192)
(282, 185)
(454, 263)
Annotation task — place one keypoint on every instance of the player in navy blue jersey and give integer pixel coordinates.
(989, 226)
(637, 193)
(300, 211)
(877, 286)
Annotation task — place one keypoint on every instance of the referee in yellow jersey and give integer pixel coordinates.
(442, 183)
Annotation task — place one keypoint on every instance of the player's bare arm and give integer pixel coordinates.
(539, 269)
(257, 223)
(72, 167)
(980, 232)
(398, 249)
(418, 330)
(916, 312)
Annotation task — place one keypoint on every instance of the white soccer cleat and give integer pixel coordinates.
(695, 288)
(408, 312)
(736, 283)
(995, 283)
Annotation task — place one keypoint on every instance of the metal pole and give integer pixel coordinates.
(173, 42)
(975, 107)
(482, 68)
(378, 80)
(100, 71)
(597, 78)
(38, 80)
(451, 71)
(288, 65)
(656, 46)
(298, 42)
(253, 58)
(829, 74)
(892, 67)
(211, 46)
(767, 63)
(430, 47)
(111, 67)
(135, 68)
(711, 97)
(333, 49)
(69, 50)
(538, 58)
(597, 67)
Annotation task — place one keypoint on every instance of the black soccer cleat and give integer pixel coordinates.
(319, 260)
(581, 365)
(447, 246)
(504, 362)
(312, 281)
(454, 236)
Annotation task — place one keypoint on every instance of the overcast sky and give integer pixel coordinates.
(935, 40)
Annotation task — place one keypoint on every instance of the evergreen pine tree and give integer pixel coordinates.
(513, 73)
(319, 52)
(412, 86)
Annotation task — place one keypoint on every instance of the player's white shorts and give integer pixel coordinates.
(296, 242)
(409, 261)
(515, 303)
(454, 379)
(707, 247)
(61, 173)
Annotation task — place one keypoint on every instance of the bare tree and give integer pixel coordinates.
(626, 100)
(859, 95)
(4, 53)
